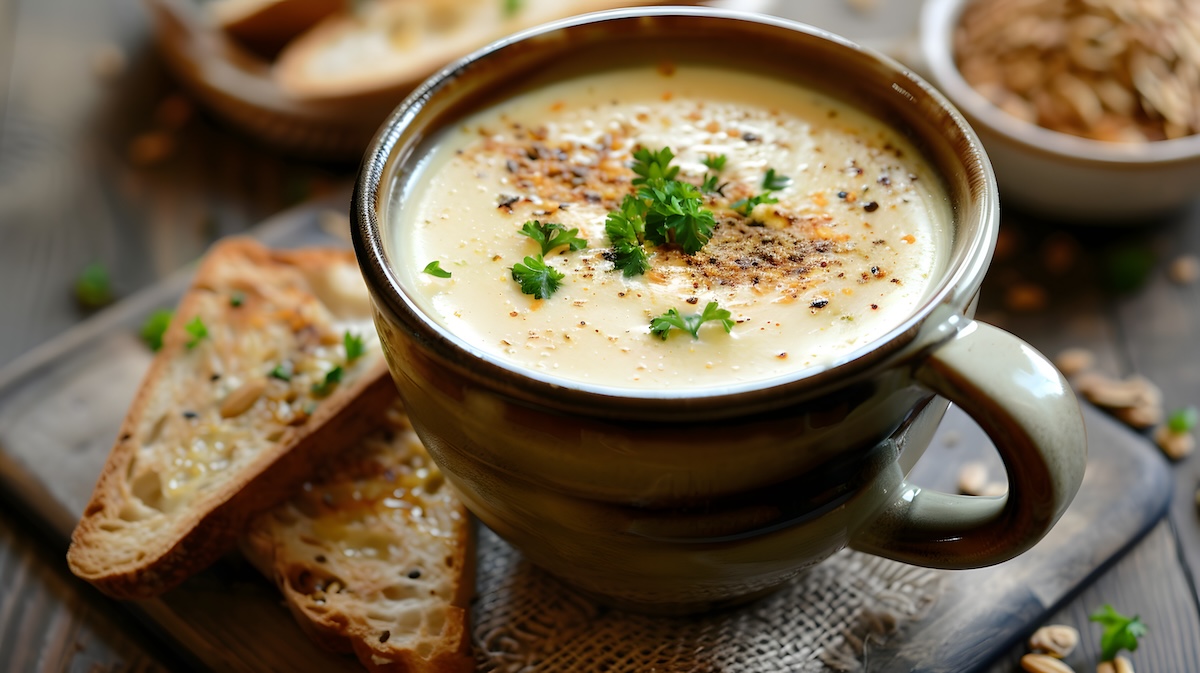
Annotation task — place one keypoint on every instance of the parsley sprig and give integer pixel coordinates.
(625, 229)
(674, 215)
(536, 277)
(1120, 632)
(552, 235)
(662, 211)
(691, 324)
(772, 182)
(197, 332)
(652, 167)
(332, 378)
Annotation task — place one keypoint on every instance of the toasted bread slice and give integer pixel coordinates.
(235, 411)
(389, 46)
(373, 556)
(265, 26)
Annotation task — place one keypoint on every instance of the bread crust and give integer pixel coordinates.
(265, 26)
(287, 545)
(410, 58)
(129, 549)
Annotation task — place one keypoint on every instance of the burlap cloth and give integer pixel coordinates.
(526, 620)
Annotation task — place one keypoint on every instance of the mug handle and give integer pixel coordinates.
(1030, 413)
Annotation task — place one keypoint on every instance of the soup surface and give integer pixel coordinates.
(826, 229)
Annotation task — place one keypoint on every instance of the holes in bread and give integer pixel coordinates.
(314, 583)
(436, 620)
(146, 489)
(408, 621)
(382, 618)
(400, 592)
(155, 430)
(434, 483)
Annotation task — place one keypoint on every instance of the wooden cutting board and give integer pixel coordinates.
(61, 405)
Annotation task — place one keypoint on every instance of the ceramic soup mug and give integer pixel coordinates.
(682, 498)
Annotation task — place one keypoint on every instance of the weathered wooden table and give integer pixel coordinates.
(71, 195)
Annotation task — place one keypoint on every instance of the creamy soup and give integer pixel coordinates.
(858, 227)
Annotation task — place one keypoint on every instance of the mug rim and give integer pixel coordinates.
(962, 275)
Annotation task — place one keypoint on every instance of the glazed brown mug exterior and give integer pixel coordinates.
(680, 501)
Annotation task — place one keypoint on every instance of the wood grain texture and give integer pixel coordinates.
(71, 194)
(1126, 585)
(1149, 329)
(1161, 324)
(51, 622)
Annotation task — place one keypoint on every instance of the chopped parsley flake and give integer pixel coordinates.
(435, 269)
(282, 371)
(237, 299)
(744, 206)
(197, 332)
(155, 327)
(93, 289)
(716, 164)
(772, 182)
(1183, 420)
(326, 386)
(711, 185)
(354, 347)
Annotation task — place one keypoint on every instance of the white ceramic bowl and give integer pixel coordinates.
(1054, 174)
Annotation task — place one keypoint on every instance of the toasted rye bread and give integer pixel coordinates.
(373, 556)
(388, 46)
(212, 437)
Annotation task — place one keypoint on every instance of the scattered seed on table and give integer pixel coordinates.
(1176, 445)
(1057, 640)
(1184, 270)
(972, 478)
(1044, 663)
(1025, 298)
(993, 489)
(150, 148)
(1074, 361)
